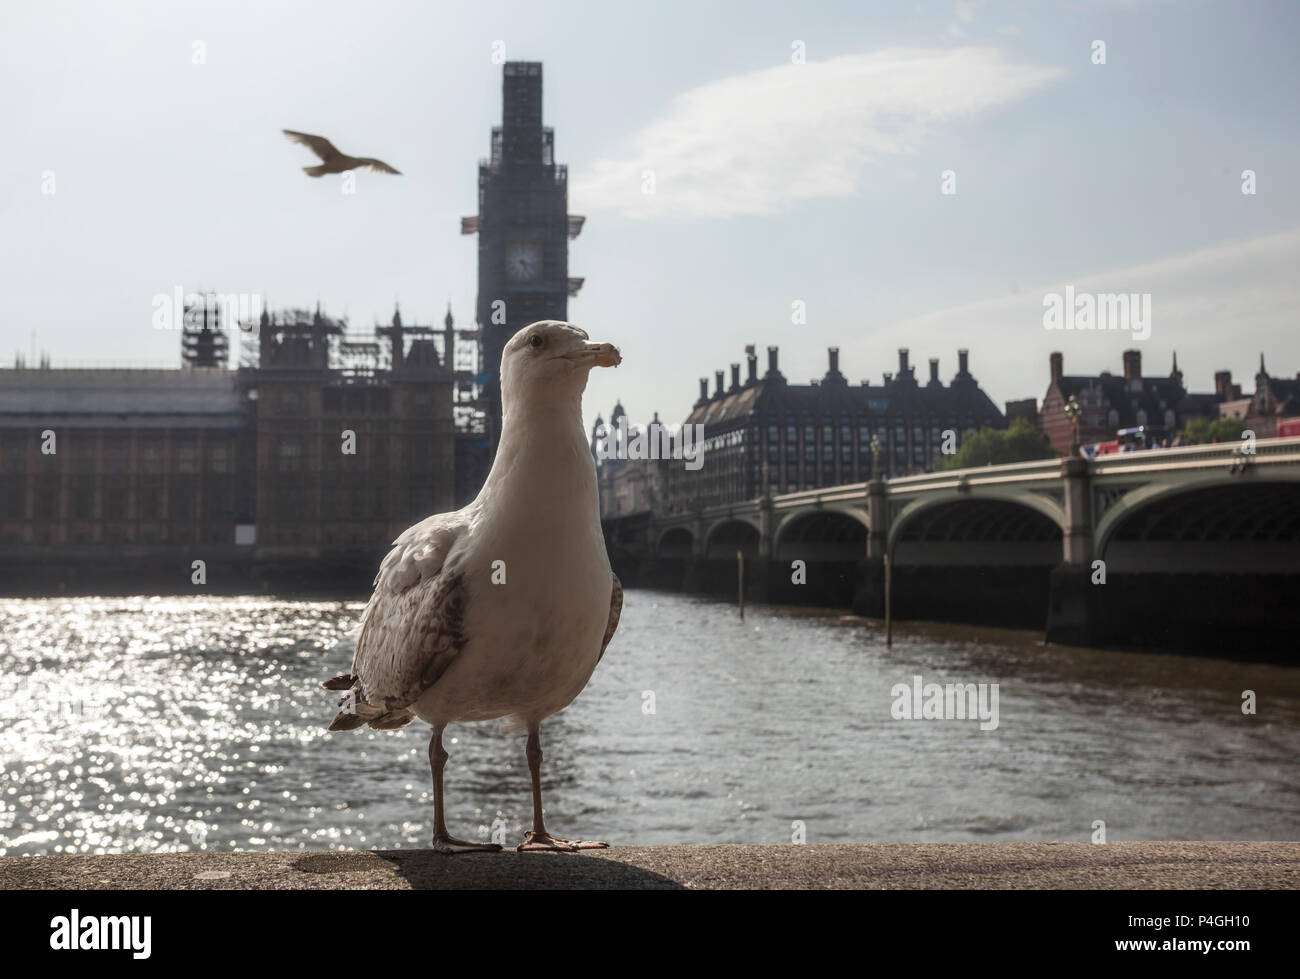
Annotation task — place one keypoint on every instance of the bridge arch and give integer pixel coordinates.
(1136, 499)
(1223, 524)
(917, 509)
(731, 534)
(830, 533)
(675, 542)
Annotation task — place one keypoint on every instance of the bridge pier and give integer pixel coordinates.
(869, 583)
(758, 574)
(1072, 597)
(691, 574)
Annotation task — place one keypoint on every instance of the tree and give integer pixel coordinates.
(1022, 442)
(1200, 430)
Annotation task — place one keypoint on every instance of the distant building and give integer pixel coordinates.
(1110, 402)
(318, 486)
(330, 442)
(203, 337)
(118, 457)
(627, 486)
(1275, 398)
(1026, 408)
(765, 435)
(1231, 403)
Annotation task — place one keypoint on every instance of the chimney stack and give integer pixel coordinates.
(963, 359)
(717, 377)
(735, 377)
(704, 389)
(1223, 385)
(752, 359)
(902, 361)
(1057, 362)
(934, 370)
(834, 359)
(1132, 365)
(771, 360)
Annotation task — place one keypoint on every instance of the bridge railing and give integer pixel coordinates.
(1014, 472)
(1267, 452)
(844, 493)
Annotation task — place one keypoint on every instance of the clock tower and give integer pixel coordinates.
(523, 226)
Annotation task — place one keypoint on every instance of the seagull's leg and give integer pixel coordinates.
(444, 842)
(537, 838)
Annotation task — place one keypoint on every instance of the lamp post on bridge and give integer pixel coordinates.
(875, 456)
(1072, 411)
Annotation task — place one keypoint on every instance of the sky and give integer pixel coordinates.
(800, 153)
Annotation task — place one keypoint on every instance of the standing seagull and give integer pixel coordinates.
(504, 608)
(333, 161)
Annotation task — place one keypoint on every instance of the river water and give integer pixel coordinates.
(156, 724)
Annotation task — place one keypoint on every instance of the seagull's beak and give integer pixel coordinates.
(597, 355)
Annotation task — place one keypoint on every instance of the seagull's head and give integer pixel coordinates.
(551, 357)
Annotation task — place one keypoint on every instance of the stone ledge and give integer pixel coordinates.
(979, 866)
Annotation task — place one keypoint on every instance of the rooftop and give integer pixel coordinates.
(118, 397)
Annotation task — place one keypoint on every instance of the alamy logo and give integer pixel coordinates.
(220, 310)
(653, 441)
(946, 702)
(102, 932)
(1098, 311)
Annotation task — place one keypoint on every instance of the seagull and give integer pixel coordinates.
(332, 161)
(502, 609)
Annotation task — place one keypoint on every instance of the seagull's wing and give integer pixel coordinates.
(411, 630)
(319, 145)
(379, 166)
(615, 610)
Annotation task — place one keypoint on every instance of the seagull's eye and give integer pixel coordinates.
(536, 340)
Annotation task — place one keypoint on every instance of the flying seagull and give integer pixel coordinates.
(332, 161)
(502, 609)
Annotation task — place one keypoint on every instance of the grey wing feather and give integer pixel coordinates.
(411, 631)
(615, 611)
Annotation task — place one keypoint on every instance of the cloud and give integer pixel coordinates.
(1203, 303)
(759, 142)
(964, 13)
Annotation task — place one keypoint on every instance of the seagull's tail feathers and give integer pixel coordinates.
(344, 721)
(314, 171)
(385, 716)
(393, 720)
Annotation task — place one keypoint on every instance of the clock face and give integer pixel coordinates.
(523, 261)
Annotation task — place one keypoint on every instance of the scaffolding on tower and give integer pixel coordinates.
(469, 410)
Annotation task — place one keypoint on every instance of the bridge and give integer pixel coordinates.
(1139, 546)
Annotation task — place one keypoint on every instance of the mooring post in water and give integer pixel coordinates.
(889, 617)
(740, 582)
